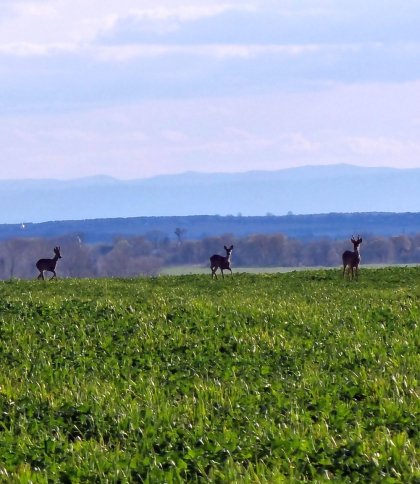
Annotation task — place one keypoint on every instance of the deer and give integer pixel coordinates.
(352, 259)
(48, 264)
(220, 262)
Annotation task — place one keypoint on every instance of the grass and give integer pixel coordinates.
(184, 270)
(289, 377)
(189, 269)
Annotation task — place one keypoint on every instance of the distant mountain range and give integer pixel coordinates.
(305, 190)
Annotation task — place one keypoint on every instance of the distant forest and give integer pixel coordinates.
(147, 255)
(196, 227)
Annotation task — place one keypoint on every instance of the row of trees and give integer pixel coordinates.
(135, 256)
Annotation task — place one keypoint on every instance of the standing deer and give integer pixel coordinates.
(352, 259)
(48, 264)
(220, 262)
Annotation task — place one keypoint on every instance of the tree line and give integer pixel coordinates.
(147, 255)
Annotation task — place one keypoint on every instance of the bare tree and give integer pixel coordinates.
(179, 234)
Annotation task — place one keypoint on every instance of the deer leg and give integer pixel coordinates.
(221, 270)
(54, 275)
(41, 275)
(213, 272)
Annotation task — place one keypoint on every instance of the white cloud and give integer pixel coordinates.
(221, 51)
(175, 136)
(28, 49)
(188, 12)
(81, 22)
(134, 87)
(40, 9)
(351, 124)
(61, 21)
(383, 146)
(299, 143)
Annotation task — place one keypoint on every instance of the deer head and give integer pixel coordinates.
(356, 242)
(228, 250)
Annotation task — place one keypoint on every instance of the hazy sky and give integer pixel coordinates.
(135, 88)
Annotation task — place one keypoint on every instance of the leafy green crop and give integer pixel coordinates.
(254, 378)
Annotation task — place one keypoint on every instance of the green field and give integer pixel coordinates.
(287, 377)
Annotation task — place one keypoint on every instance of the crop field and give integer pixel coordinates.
(258, 378)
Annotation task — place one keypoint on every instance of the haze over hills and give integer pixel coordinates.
(304, 190)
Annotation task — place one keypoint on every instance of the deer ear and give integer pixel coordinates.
(225, 247)
(231, 247)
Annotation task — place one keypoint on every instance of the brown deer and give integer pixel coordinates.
(48, 264)
(220, 262)
(352, 259)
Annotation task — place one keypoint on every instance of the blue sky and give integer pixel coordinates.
(133, 89)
